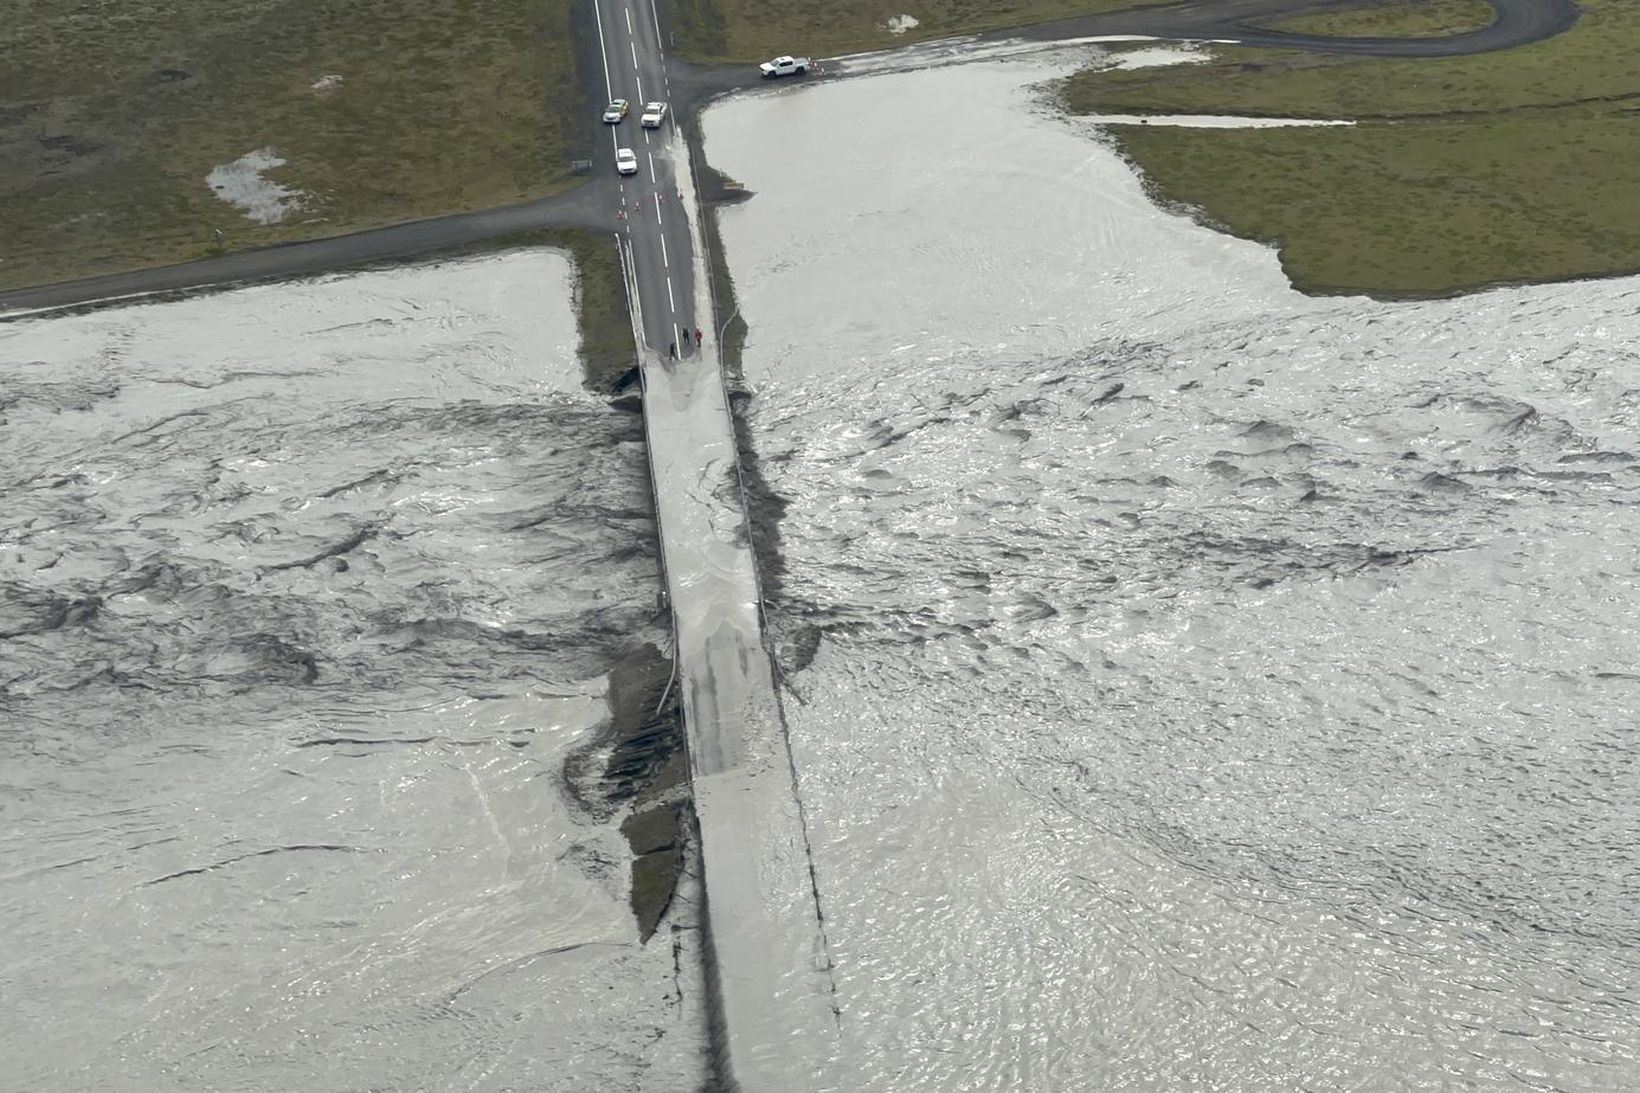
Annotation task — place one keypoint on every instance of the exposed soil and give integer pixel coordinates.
(637, 764)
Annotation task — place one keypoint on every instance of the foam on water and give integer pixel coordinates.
(1216, 688)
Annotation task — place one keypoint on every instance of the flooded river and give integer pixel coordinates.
(1194, 685)
(306, 593)
(1215, 688)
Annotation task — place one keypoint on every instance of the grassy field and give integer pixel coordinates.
(1505, 167)
(1407, 19)
(747, 30)
(112, 115)
(608, 351)
(1591, 64)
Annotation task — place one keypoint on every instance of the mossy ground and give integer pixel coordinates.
(608, 350)
(1403, 19)
(112, 115)
(1522, 165)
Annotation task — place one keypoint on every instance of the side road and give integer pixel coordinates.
(1514, 23)
(581, 207)
(594, 204)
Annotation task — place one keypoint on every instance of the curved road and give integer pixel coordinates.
(1517, 22)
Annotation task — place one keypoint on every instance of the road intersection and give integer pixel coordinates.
(689, 86)
(649, 212)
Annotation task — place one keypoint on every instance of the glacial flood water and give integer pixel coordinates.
(1216, 688)
(306, 592)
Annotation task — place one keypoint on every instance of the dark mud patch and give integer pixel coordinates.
(717, 188)
(69, 144)
(656, 836)
(797, 649)
(44, 142)
(637, 764)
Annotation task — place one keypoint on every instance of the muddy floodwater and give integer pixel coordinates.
(1215, 688)
(306, 593)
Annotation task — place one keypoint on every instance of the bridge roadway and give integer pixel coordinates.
(774, 1022)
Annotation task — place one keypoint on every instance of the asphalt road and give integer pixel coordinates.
(648, 209)
(1515, 23)
(767, 971)
(582, 207)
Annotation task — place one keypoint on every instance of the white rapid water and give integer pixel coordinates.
(1215, 688)
(306, 593)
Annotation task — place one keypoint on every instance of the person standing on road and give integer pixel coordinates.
(672, 350)
(697, 337)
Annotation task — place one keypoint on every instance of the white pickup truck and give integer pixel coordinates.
(784, 66)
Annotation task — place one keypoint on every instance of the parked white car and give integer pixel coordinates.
(653, 114)
(784, 66)
(625, 162)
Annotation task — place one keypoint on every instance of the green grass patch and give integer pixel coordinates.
(1506, 167)
(754, 30)
(1395, 19)
(1414, 209)
(111, 116)
(1591, 63)
(608, 351)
